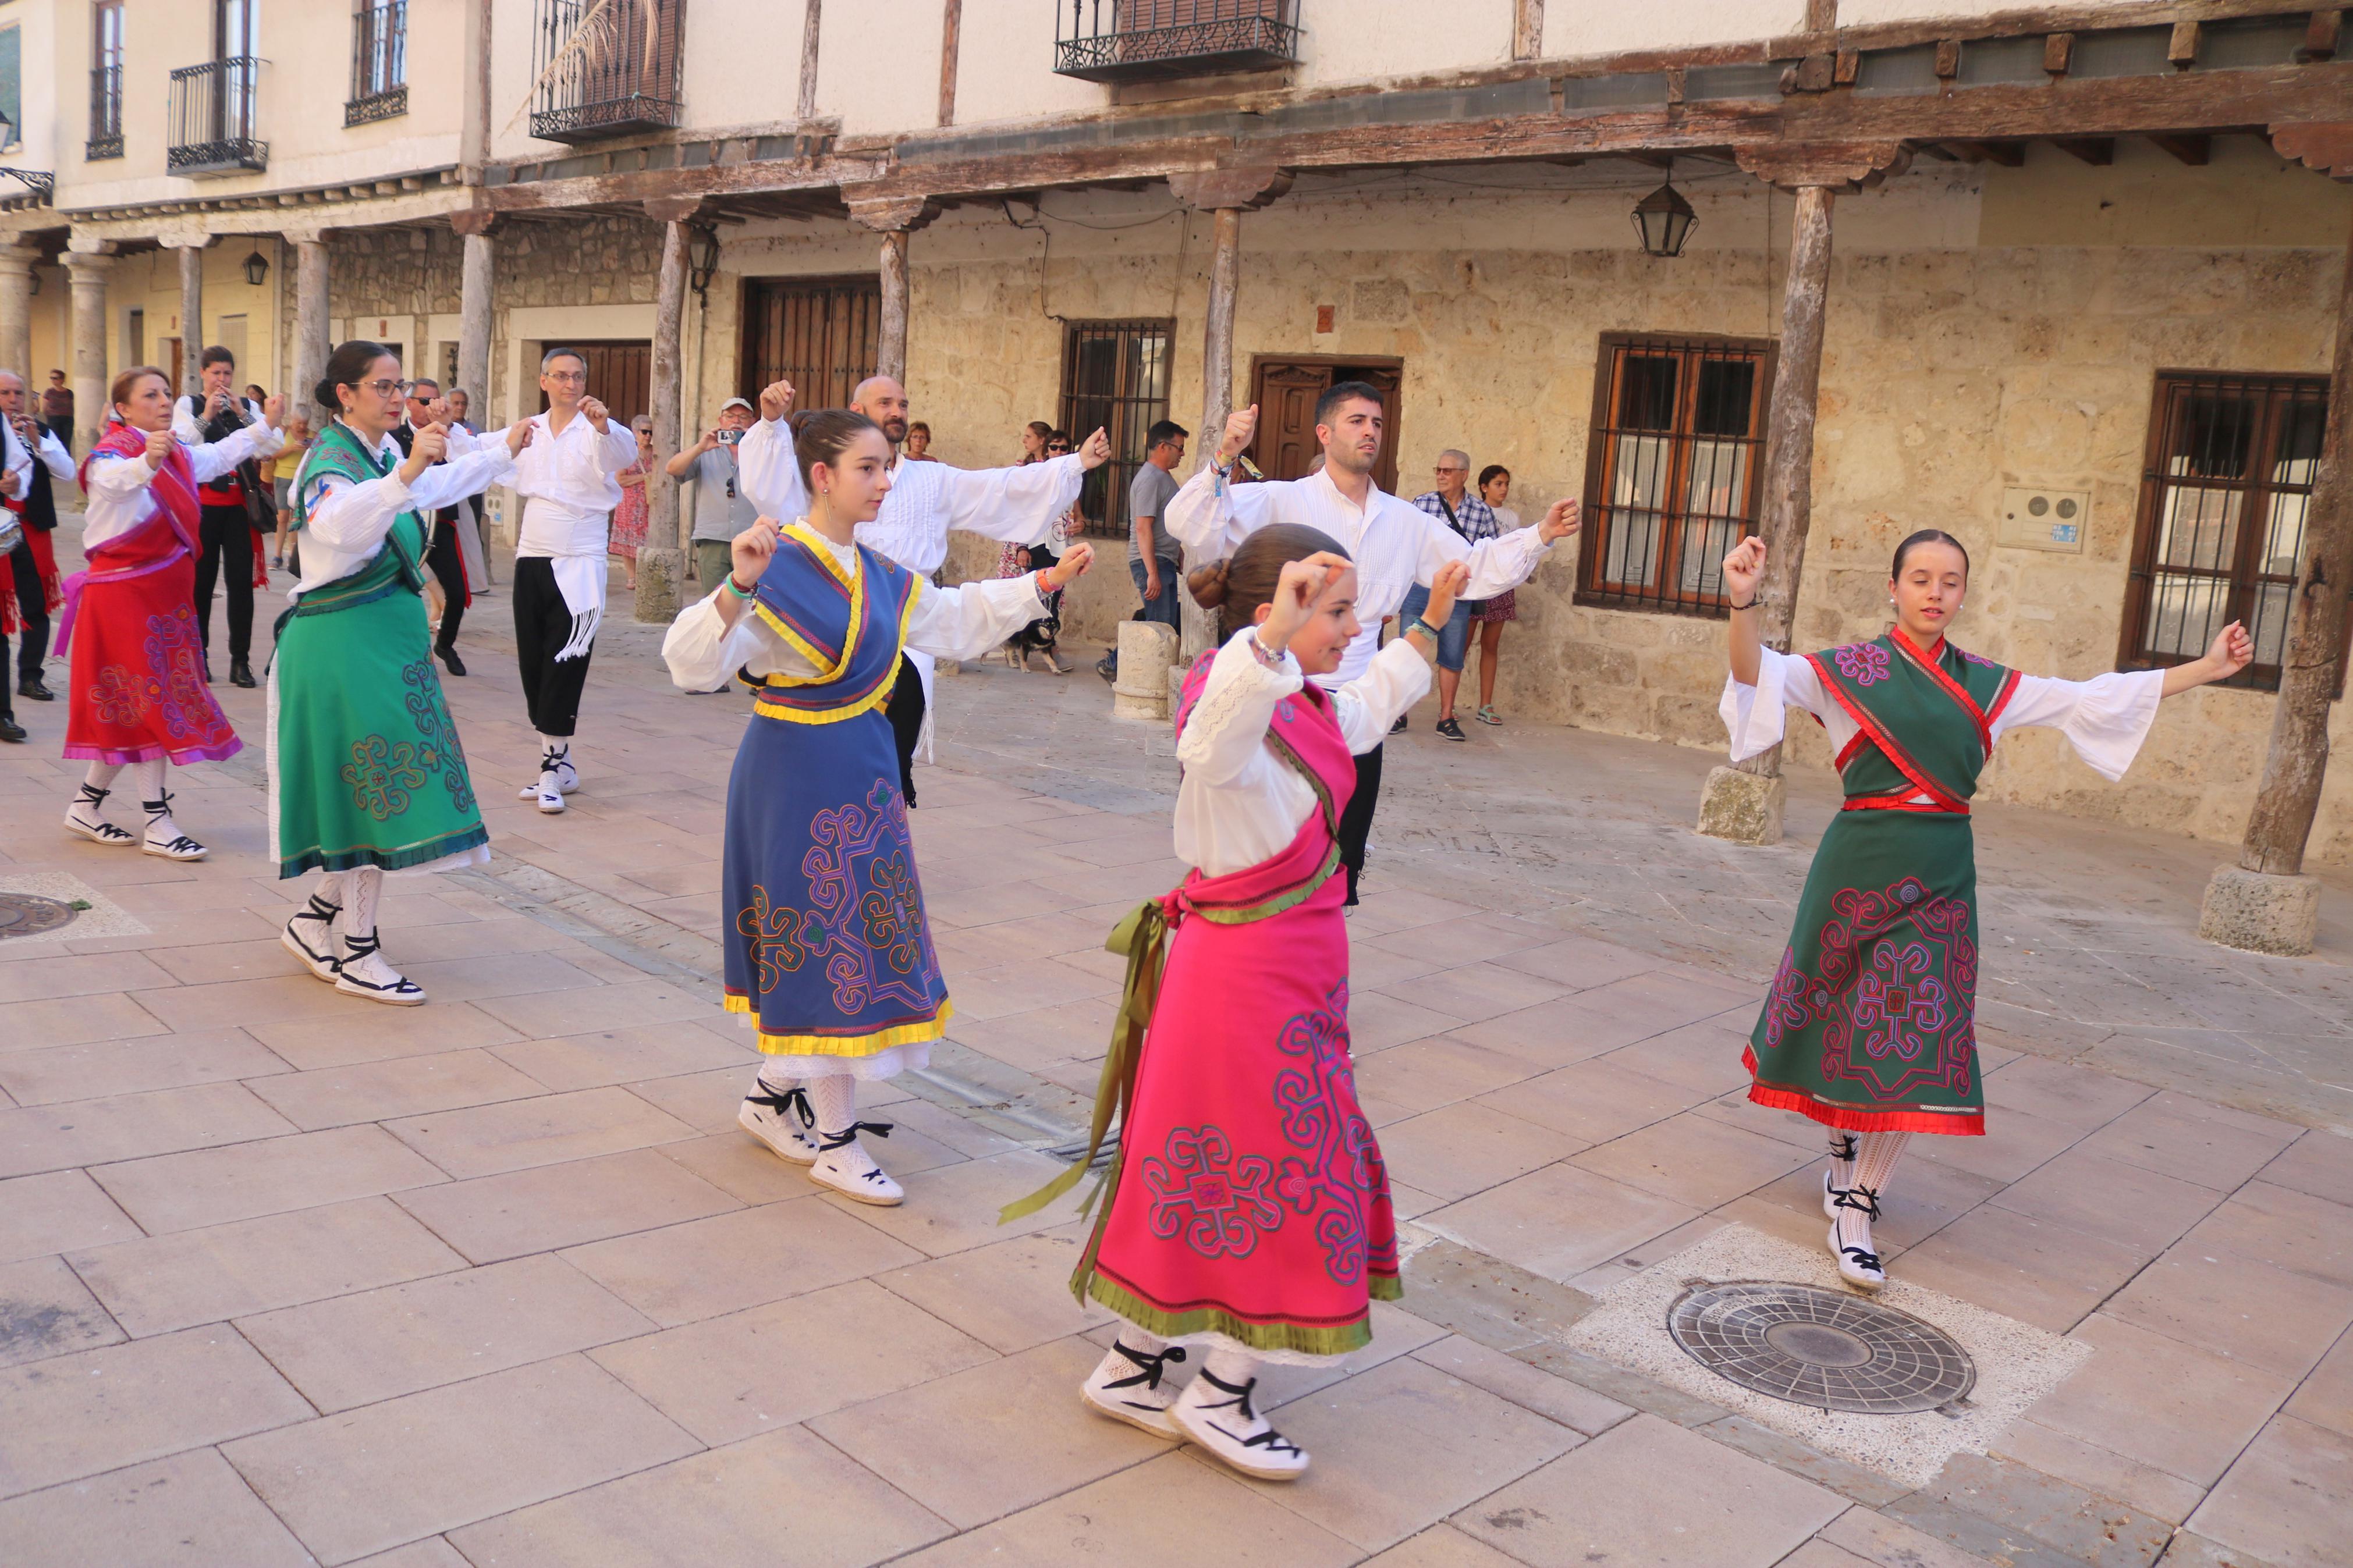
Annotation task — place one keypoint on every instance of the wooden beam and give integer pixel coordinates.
(951, 29)
(1821, 16)
(1948, 59)
(2320, 36)
(2181, 48)
(1837, 166)
(2327, 146)
(2058, 53)
(2192, 150)
(809, 28)
(2096, 150)
(1527, 29)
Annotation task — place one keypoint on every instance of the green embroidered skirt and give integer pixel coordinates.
(365, 768)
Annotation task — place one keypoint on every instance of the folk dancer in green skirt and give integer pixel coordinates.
(1869, 1028)
(365, 772)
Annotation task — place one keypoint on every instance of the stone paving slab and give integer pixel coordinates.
(498, 1280)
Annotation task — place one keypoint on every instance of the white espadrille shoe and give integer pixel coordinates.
(1218, 1417)
(1131, 1385)
(781, 1119)
(567, 777)
(83, 821)
(164, 837)
(365, 972)
(311, 935)
(843, 1165)
(1849, 1240)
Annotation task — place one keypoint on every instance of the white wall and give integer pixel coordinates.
(1352, 40)
(877, 65)
(1577, 29)
(1004, 55)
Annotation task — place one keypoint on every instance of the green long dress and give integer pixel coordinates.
(1870, 1025)
(365, 768)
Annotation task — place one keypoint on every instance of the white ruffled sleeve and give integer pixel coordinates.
(702, 649)
(765, 469)
(447, 483)
(1396, 678)
(1210, 516)
(2105, 719)
(213, 460)
(352, 519)
(1018, 505)
(1754, 714)
(1226, 731)
(967, 622)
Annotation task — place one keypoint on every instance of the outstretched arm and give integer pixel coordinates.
(1021, 505)
(2231, 651)
(1743, 569)
(766, 470)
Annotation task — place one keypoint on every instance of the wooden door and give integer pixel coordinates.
(620, 376)
(1285, 391)
(822, 334)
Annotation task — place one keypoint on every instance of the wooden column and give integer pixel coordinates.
(1527, 29)
(1742, 803)
(1226, 193)
(476, 275)
(16, 263)
(88, 271)
(951, 40)
(893, 217)
(192, 319)
(2264, 903)
(311, 345)
(810, 20)
(661, 563)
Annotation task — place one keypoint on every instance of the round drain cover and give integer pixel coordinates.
(29, 914)
(1821, 1348)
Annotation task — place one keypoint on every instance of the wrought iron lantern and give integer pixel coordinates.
(1665, 220)
(257, 267)
(702, 260)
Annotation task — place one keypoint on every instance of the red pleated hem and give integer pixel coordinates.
(1856, 1119)
(180, 756)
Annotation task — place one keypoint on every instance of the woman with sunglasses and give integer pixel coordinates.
(365, 772)
(1044, 634)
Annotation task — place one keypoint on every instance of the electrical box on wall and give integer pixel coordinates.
(2038, 517)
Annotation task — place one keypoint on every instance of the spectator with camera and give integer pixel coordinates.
(721, 510)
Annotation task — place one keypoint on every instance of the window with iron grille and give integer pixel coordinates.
(1673, 466)
(2225, 490)
(379, 61)
(105, 82)
(1115, 380)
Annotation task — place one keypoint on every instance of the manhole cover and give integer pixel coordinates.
(29, 914)
(1821, 1348)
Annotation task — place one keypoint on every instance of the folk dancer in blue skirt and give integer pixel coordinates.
(827, 946)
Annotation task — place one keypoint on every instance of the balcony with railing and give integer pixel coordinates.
(605, 69)
(379, 61)
(1156, 40)
(105, 114)
(212, 111)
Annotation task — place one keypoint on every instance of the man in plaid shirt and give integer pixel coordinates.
(1453, 504)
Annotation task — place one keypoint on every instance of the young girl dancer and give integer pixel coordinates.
(1249, 1210)
(365, 772)
(1869, 1028)
(829, 950)
(138, 692)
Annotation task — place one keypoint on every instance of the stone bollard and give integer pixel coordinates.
(659, 574)
(1146, 650)
(2259, 912)
(1745, 808)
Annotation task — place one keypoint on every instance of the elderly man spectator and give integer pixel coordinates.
(721, 510)
(1154, 558)
(1469, 516)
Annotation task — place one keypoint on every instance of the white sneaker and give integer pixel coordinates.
(549, 793)
(319, 957)
(843, 1165)
(781, 1119)
(567, 779)
(1127, 1386)
(1858, 1265)
(1218, 1417)
(364, 973)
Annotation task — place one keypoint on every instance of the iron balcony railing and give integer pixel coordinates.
(379, 61)
(605, 69)
(212, 113)
(1146, 40)
(105, 113)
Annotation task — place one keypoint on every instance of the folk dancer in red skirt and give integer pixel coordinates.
(138, 694)
(1870, 1026)
(1249, 1213)
(30, 591)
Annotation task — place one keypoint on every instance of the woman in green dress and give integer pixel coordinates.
(365, 772)
(1869, 1028)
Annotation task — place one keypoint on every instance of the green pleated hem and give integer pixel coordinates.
(389, 859)
(1315, 1338)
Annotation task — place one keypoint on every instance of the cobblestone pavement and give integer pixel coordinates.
(287, 1278)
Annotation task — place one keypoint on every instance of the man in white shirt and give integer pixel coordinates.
(228, 520)
(1015, 505)
(1394, 544)
(28, 568)
(443, 556)
(565, 476)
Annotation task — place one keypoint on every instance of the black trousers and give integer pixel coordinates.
(449, 569)
(542, 625)
(35, 612)
(905, 711)
(1356, 822)
(225, 541)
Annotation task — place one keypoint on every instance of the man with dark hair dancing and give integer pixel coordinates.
(1395, 546)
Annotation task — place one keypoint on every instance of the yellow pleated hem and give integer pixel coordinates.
(931, 1029)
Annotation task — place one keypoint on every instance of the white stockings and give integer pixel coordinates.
(1854, 1201)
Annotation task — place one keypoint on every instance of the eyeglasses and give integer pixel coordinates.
(384, 388)
(1442, 469)
(568, 376)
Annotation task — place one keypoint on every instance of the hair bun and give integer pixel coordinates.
(324, 394)
(1207, 584)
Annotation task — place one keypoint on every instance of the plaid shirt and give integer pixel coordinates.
(1474, 519)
